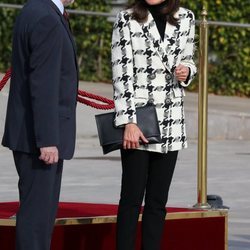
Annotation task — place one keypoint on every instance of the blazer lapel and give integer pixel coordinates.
(171, 44)
(152, 34)
(163, 48)
(151, 31)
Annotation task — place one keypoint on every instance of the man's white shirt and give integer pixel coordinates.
(59, 5)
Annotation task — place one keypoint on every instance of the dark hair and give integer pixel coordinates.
(140, 11)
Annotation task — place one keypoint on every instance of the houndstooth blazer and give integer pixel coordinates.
(143, 70)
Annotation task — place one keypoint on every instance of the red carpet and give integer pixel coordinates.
(185, 229)
(71, 209)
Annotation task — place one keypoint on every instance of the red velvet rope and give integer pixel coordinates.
(5, 79)
(108, 104)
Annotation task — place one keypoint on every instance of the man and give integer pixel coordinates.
(40, 121)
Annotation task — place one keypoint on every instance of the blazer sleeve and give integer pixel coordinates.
(188, 54)
(122, 71)
(44, 79)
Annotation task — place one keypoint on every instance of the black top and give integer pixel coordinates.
(159, 18)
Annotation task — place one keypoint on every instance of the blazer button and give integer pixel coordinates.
(151, 100)
(152, 76)
(168, 101)
(168, 77)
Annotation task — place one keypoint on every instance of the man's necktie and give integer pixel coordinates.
(66, 16)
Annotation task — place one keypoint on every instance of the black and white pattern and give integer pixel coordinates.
(143, 70)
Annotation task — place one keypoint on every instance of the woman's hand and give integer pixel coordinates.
(132, 136)
(181, 72)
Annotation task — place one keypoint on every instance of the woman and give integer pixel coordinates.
(152, 61)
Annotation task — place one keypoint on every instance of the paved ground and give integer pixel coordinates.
(92, 177)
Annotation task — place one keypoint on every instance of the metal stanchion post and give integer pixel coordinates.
(202, 120)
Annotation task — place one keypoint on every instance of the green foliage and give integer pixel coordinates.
(229, 48)
(7, 18)
(93, 36)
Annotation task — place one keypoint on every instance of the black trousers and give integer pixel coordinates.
(146, 173)
(39, 188)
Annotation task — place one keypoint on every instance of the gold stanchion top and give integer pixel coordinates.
(204, 15)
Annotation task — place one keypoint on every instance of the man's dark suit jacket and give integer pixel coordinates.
(43, 90)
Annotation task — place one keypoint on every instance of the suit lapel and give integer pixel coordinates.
(163, 48)
(66, 26)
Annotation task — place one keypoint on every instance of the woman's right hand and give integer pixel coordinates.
(132, 136)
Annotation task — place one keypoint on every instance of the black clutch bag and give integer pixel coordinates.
(111, 137)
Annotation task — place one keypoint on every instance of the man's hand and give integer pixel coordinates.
(49, 155)
(132, 135)
(181, 72)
